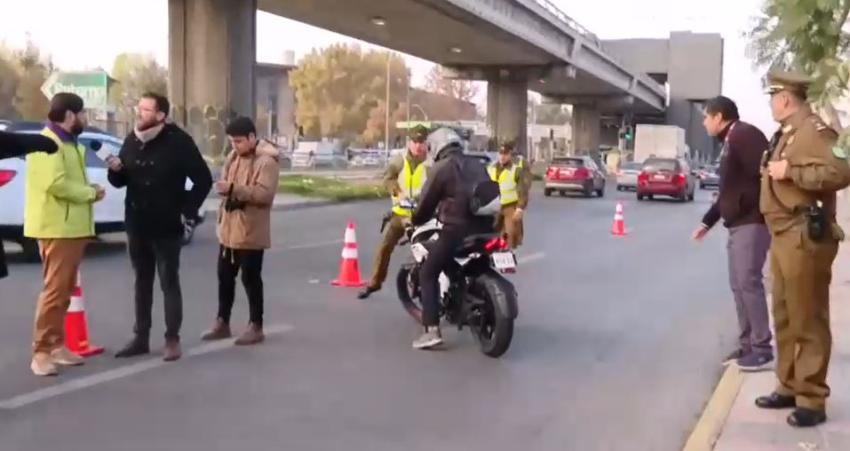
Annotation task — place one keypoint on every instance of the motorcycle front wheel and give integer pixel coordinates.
(491, 325)
(407, 285)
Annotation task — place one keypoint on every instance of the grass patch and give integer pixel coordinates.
(332, 189)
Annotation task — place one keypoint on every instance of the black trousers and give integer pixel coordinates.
(151, 256)
(440, 255)
(250, 262)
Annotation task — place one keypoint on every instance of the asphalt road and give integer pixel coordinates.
(616, 348)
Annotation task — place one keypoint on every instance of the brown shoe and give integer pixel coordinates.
(172, 350)
(252, 335)
(219, 331)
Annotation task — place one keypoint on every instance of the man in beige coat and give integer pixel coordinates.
(247, 187)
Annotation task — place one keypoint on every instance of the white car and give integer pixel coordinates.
(627, 176)
(108, 214)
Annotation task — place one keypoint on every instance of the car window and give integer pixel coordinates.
(632, 166)
(659, 165)
(568, 162)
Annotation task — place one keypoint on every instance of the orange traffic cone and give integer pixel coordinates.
(349, 269)
(619, 228)
(76, 330)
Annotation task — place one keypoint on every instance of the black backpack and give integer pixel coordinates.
(480, 192)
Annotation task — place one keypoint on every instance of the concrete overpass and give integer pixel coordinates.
(515, 45)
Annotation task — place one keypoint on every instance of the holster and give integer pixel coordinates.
(385, 220)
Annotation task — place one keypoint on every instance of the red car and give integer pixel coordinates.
(574, 174)
(666, 177)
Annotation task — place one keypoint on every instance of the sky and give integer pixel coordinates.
(95, 40)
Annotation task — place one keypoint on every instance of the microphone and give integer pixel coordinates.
(102, 152)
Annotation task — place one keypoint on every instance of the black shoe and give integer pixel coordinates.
(137, 346)
(366, 292)
(806, 418)
(776, 401)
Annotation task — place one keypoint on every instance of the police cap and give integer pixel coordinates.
(795, 82)
(419, 133)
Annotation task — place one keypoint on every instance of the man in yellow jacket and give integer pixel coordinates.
(59, 214)
(514, 180)
(404, 179)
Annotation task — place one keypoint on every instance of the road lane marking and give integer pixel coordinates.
(531, 258)
(91, 380)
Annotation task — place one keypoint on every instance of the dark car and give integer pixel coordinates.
(574, 174)
(666, 177)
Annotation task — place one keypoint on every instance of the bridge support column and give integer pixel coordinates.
(212, 53)
(507, 110)
(586, 128)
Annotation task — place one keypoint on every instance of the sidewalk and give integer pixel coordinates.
(748, 428)
(282, 201)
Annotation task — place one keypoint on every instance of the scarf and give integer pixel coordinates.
(150, 134)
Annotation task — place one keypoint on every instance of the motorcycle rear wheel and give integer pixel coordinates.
(492, 327)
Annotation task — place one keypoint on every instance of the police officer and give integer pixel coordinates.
(404, 178)
(803, 169)
(514, 180)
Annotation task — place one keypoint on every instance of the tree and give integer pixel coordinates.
(9, 79)
(136, 74)
(338, 88)
(548, 114)
(808, 36)
(436, 82)
(33, 70)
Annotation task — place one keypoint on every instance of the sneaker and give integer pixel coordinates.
(252, 335)
(755, 362)
(42, 365)
(429, 339)
(733, 357)
(64, 357)
(219, 331)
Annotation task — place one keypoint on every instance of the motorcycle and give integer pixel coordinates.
(473, 291)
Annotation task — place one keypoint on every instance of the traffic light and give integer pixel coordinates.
(628, 134)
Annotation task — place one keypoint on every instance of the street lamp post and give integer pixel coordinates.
(422, 111)
(387, 108)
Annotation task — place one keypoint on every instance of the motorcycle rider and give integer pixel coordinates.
(444, 192)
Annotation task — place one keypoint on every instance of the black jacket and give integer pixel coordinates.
(444, 191)
(13, 145)
(740, 177)
(155, 175)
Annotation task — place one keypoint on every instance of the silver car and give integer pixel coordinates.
(627, 176)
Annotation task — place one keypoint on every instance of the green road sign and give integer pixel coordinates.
(92, 86)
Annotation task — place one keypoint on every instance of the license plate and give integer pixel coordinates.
(660, 177)
(504, 261)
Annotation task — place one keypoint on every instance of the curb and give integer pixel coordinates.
(298, 205)
(710, 425)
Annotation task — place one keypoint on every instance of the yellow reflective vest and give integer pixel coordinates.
(411, 182)
(507, 181)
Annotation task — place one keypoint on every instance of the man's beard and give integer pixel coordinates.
(142, 126)
(77, 128)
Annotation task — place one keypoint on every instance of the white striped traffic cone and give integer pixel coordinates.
(76, 329)
(349, 269)
(619, 227)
